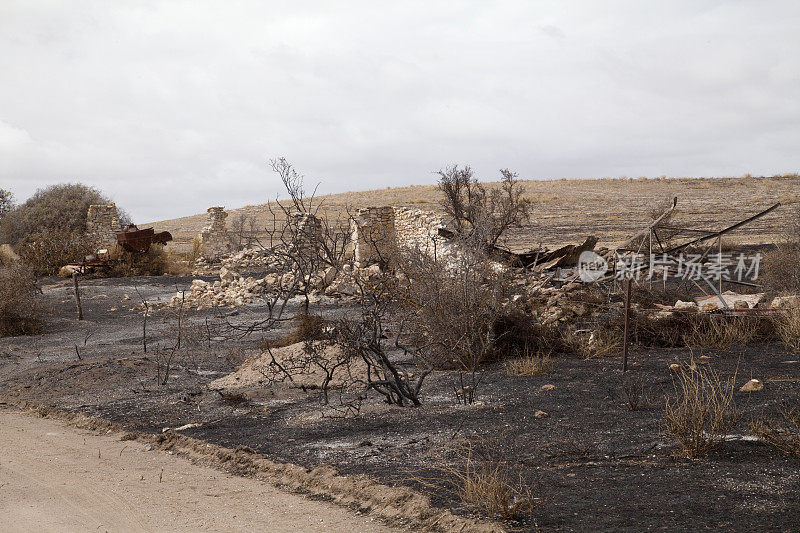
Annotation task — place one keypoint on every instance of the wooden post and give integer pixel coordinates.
(627, 321)
(77, 295)
(650, 257)
(719, 262)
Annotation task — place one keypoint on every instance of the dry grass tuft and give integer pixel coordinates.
(721, 332)
(602, 342)
(483, 482)
(530, 365)
(788, 328)
(702, 410)
(782, 433)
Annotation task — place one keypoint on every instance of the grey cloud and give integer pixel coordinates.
(191, 99)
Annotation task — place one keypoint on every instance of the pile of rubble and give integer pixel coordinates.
(250, 259)
(234, 290)
(242, 261)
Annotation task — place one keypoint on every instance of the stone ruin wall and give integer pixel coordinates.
(308, 231)
(419, 230)
(373, 235)
(215, 237)
(102, 225)
(378, 232)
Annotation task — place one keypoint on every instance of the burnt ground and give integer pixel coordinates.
(593, 463)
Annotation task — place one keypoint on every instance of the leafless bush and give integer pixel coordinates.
(197, 249)
(244, 231)
(701, 411)
(365, 339)
(20, 312)
(478, 214)
(473, 471)
(781, 432)
(450, 308)
(51, 250)
(518, 334)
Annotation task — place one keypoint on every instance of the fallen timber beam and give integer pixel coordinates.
(724, 231)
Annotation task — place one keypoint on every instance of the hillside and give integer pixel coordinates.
(568, 210)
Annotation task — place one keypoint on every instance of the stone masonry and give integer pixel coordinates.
(215, 237)
(102, 225)
(377, 232)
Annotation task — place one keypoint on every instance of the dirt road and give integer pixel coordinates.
(57, 478)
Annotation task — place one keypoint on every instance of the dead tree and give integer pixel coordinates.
(481, 214)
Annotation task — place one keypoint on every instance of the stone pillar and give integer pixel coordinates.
(373, 234)
(309, 231)
(215, 238)
(102, 225)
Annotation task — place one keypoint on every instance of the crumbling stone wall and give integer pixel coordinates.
(419, 230)
(215, 237)
(308, 231)
(378, 232)
(373, 235)
(102, 225)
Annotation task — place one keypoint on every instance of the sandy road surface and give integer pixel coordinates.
(57, 478)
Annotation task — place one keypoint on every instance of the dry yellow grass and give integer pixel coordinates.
(568, 210)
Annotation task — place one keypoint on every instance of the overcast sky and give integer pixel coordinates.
(170, 107)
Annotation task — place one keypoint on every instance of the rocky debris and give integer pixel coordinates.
(548, 387)
(680, 305)
(66, 271)
(712, 302)
(257, 371)
(540, 414)
(753, 385)
(250, 259)
(233, 291)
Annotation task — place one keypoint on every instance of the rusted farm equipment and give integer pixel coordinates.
(138, 240)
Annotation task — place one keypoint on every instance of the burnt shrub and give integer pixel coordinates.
(154, 262)
(307, 328)
(51, 250)
(20, 313)
(781, 274)
(519, 334)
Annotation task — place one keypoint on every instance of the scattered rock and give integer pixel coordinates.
(548, 387)
(680, 305)
(540, 414)
(674, 367)
(753, 385)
